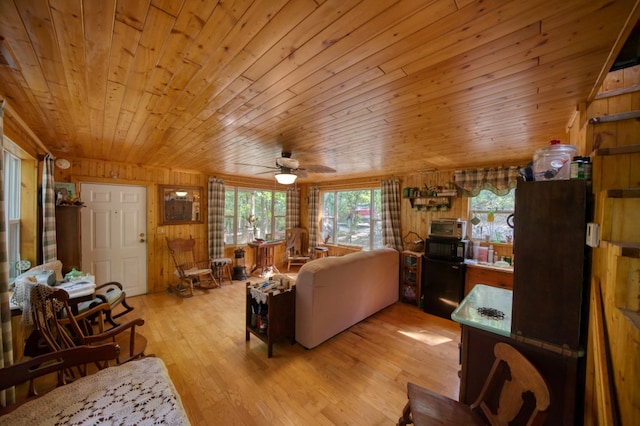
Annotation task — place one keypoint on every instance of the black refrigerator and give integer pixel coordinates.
(442, 286)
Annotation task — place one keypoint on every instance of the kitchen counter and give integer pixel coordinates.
(492, 267)
(489, 274)
(480, 334)
(489, 298)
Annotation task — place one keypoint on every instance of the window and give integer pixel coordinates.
(352, 217)
(253, 213)
(12, 210)
(489, 214)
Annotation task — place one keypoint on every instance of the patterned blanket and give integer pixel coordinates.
(136, 393)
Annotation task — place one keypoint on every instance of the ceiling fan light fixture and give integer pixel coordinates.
(286, 178)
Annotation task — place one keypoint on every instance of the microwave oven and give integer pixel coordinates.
(448, 228)
(448, 249)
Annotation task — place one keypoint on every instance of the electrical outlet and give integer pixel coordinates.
(160, 230)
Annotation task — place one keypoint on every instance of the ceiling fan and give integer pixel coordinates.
(288, 169)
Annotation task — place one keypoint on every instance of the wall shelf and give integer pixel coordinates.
(430, 201)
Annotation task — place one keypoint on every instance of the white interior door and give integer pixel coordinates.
(114, 234)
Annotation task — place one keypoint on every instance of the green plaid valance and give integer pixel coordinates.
(499, 180)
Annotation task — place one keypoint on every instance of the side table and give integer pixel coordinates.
(270, 314)
(264, 255)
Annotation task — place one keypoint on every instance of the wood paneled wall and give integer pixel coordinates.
(613, 353)
(160, 266)
(418, 221)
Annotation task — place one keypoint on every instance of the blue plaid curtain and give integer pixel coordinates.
(216, 218)
(314, 214)
(390, 194)
(292, 218)
(49, 247)
(6, 343)
(499, 180)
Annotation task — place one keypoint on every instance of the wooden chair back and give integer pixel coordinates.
(297, 242)
(60, 328)
(183, 253)
(521, 377)
(513, 390)
(47, 306)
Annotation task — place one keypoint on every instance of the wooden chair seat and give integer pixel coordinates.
(430, 408)
(114, 295)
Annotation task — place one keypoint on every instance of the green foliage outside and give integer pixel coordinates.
(487, 206)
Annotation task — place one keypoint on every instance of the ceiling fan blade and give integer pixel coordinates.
(300, 173)
(257, 165)
(264, 173)
(316, 168)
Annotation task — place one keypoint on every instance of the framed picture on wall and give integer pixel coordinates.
(180, 205)
(65, 192)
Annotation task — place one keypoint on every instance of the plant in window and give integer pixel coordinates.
(252, 219)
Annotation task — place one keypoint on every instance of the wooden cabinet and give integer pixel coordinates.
(550, 289)
(68, 238)
(271, 316)
(410, 276)
(487, 275)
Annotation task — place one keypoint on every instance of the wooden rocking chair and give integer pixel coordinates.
(59, 328)
(191, 271)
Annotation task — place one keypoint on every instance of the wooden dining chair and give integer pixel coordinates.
(59, 328)
(191, 271)
(500, 401)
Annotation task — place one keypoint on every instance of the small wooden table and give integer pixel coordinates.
(264, 256)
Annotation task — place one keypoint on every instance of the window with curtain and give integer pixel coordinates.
(352, 217)
(12, 209)
(488, 216)
(253, 213)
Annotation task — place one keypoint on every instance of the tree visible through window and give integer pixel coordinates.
(352, 217)
(489, 214)
(253, 213)
(12, 210)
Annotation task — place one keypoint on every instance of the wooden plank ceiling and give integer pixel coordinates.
(367, 87)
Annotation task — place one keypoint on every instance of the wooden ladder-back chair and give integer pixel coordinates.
(191, 271)
(59, 328)
(297, 246)
(500, 401)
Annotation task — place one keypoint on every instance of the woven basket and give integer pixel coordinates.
(413, 242)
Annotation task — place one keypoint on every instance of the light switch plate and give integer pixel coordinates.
(593, 234)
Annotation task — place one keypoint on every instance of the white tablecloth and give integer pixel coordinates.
(136, 393)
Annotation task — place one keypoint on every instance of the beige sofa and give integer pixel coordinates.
(334, 293)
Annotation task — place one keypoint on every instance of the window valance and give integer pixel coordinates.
(499, 180)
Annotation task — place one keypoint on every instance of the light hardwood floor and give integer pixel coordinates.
(358, 377)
